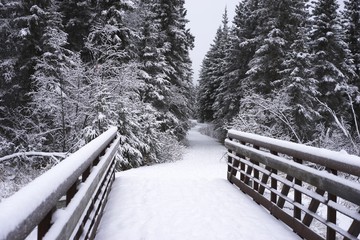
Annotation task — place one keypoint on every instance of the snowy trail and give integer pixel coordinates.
(189, 199)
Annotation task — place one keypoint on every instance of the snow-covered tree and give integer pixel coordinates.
(351, 23)
(239, 51)
(59, 87)
(78, 17)
(270, 53)
(22, 48)
(164, 52)
(211, 73)
(331, 63)
(297, 82)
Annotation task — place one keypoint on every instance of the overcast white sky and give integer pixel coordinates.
(205, 18)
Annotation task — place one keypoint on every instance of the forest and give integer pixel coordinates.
(288, 69)
(69, 69)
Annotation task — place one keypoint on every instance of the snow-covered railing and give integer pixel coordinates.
(314, 191)
(82, 181)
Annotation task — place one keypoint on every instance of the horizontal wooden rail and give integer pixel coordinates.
(82, 181)
(310, 189)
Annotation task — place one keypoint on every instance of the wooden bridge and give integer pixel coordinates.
(308, 189)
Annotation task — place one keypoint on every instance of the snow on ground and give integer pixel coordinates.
(188, 199)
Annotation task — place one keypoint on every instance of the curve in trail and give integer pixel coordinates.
(187, 199)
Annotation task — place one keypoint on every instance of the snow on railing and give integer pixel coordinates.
(314, 191)
(83, 180)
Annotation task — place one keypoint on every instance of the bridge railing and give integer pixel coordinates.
(67, 201)
(314, 191)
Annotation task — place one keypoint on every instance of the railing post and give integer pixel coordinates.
(242, 167)
(71, 193)
(256, 172)
(86, 173)
(304, 180)
(297, 194)
(45, 225)
(230, 162)
(354, 228)
(273, 181)
(313, 206)
(331, 213)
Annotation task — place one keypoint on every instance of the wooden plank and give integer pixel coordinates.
(256, 171)
(354, 228)
(230, 161)
(297, 172)
(331, 217)
(297, 194)
(331, 213)
(236, 163)
(71, 192)
(313, 206)
(273, 196)
(103, 200)
(293, 149)
(284, 191)
(333, 184)
(297, 226)
(63, 230)
(45, 225)
(80, 160)
(264, 179)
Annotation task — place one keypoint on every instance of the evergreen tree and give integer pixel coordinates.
(239, 51)
(78, 17)
(331, 65)
(210, 77)
(8, 57)
(22, 37)
(299, 88)
(352, 32)
(109, 47)
(351, 22)
(58, 81)
(275, 32)
(269, 37)
(178, 42)
(152, 56)
(164, 51)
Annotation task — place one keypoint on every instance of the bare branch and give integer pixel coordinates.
(354, 115)
(42, 154)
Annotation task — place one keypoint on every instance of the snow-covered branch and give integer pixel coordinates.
(277, 112)
(339, 123)
(354, 115)
(41, 154)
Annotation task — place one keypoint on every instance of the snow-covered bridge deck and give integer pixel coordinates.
(188, 199)
(192, 198)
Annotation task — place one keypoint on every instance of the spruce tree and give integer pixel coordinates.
(271, 39)
(352, 32)
(164, 52)
(275, 33)
(212, 72)
(331, 65)
(178, 42)
(351, 22)
(209, 80)
(58, 81)
(239, 51)
(299, 88)
(22, 48)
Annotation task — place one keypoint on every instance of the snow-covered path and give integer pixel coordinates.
(189, 199)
